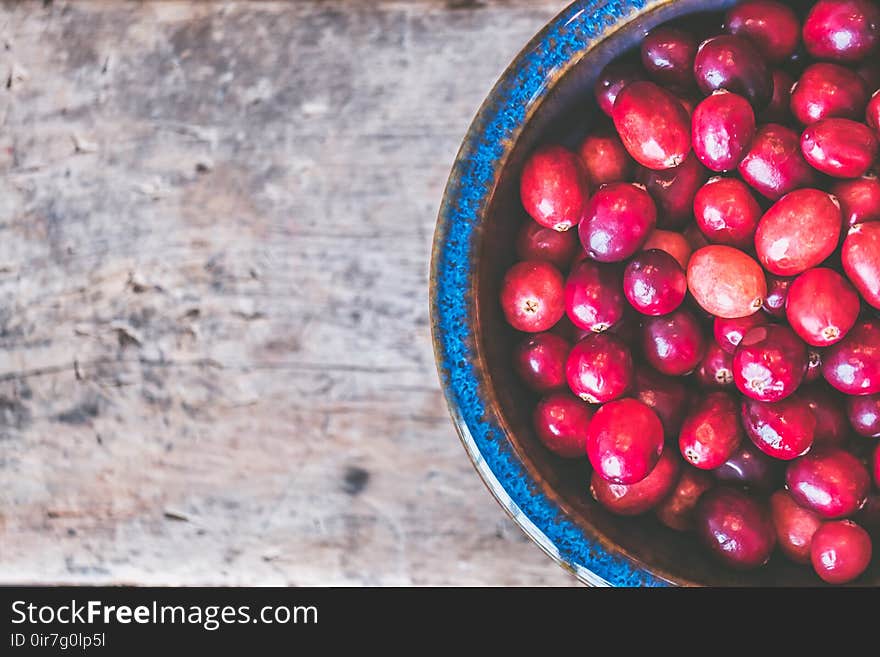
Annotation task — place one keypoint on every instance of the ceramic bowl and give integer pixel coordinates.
(546, 95)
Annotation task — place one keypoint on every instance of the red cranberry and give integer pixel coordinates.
(771, 26)
(864, 415)
(664, 395)
(774, 164)
(777, 295)
(617, 221)
(539, 360)
(673, 243)
(769, 363)
(554, 188)
(832, 427)
(668, 56)
(711, 432)
(840, 552)
(778, 111)
(828, 90)
(839, 147)
(794, 525)
(531, 296)
(561, 421)
(735, 527)
(641, 496)
(654, 283)
(842, 30)
(859, 199)
(732, 63)
(624, 441)
(612, 79)
(716, 368)
(605, 159)
(830, 481)
(872, 114)
(798, 232)
(853, 364)
(673, 344)
(750, 468)
(594, 299)
(678, 510)
(653, 125)
(783, 429)
(869, 515)
(722, 126)
(861, 260)
(726, 212)
(729, 332)
(599, 368)
(629, 328)
(674, 190)
(726, 282)
(535, 242)
(821, 307)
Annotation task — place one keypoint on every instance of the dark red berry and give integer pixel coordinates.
(678, 510)
(777, 295)
(641, 496)
(783, 429)
(624, 441)
(774, 165)
(716, 368)
(769, 363)
(561, 421)
(859, 199)
(729, 332)
(828, 90)
(612, 79)
(711, 432)
(839, 147)
(674, 190)
(832, 427)
(794, 525)
(617, 221)
(654, 283)
(735, 527)
(778, 111)
(830, 481)
(605, 159)
(864, 414)
(594, 299)
(532, 296)
(536, 242)
(853, 364)
(668, 56)
(673, 344)
(750, 468)
(539, 360)
(771, 26)
(842, 30)
(722, 127)
(733, 63)
(665, 395)
(554, 187)
(599, 368)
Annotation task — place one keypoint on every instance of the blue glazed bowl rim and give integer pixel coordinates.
(563, 42)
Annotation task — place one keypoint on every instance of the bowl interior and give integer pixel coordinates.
(564, 116)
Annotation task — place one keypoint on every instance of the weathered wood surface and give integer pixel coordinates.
(215, 363)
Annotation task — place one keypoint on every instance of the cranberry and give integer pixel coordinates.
(711, 432)
(726, 212)
(641, 496)
(605, 159)
(653, 125)
(777, 295)
(859, 199)
(839, 147)
(664, 395)
(654, 283)
(861, 260)
(842, 30)
(832, 427)
(673, 344)
(539, 360)
(531, 296)
(535, 242)
(561, 421)
(869, 515)
(783, 429)
(624, 441)
(617, 221)
(828, 90)
(798, 232)
(750, 468)
(729, 332)
(822, 307)
(673, 243)
(668, 56)
(726, 282)
(722, 127)
(732, 63)
(778, 111)
(678, 510)
(612, 79)
(794, 525)
(554, 188)
(864, 414)
(830, 481)
(674, 190)
(594, 299)
(771, 26)
(872, 114)
(853, 364)
(695, 237)
(840, 552)
(599, 368)
(735, 527)
(769, 363)
(716, 368)
(774, 164)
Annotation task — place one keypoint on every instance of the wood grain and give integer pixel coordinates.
(215, 363)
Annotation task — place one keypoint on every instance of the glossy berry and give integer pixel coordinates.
(665, 395)
(774, 164)
(748, 467)
(614, 77)
(821, 307)
(784, 429)
(861, 260)
(727, 213)
(735, 527)
(673, 243)
(769, 363)
(716, 368)
(828, 90)
(605, 159)
(539, 360)
(678, 510)
(853, 364)
(641, 496)
(864, 414)
(842, 30)
(722, 128)
(624, 441)
(674, 190)
(771, 26)
(794, 525)
(654, 283)
(653, 125)
(617, 221)
(832, 426)
(830, 481)
(733, 63)
(729, 333)
(561, 421)
(668, 56)
(859, 199)
(711, 432)
(872, 113)
(536, 242)
(554, 187)
(594, 299)
(777, 295)
(840, 551)
(532, 296)
(599, 368)
(673, 344)
(839, 147)
(726, 282)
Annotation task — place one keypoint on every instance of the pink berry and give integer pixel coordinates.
(673, 243)
(726, 282)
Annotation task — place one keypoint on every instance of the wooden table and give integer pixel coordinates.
(215, 223)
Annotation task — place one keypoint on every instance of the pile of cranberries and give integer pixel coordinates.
(699, 283)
